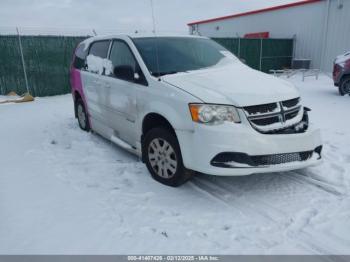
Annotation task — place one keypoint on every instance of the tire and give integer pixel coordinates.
(344, 87)
(82, 116)
(162, 155)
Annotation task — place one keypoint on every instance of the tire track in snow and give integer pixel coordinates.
(304, 234)
(314, 240)
(215, 196)
(227, 198)
(310, 240)
(317, 183)
(217, 193)
(259, 205)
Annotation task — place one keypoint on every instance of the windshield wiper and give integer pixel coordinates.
(157, 74)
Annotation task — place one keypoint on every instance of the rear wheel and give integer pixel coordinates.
(344, 87)
(82, 116)
(163, 158)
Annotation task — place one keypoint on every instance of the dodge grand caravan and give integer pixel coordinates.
(186, 104)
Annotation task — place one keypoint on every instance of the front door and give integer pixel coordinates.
(121, 94)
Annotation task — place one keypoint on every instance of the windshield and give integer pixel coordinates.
(170, 55)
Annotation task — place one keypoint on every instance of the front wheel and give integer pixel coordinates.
(162, 155)
(344, 87)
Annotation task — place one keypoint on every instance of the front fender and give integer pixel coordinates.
(169, 102)
(179, 119)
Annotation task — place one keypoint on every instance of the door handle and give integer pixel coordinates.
(108, 86)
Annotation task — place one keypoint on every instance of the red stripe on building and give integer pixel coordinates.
(257, 35)
(256, 12)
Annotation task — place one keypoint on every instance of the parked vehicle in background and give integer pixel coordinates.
(186, 104)
(341, 73)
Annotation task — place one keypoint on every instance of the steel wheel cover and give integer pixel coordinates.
(162, 158)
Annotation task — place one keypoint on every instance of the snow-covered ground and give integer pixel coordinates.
(63, 191)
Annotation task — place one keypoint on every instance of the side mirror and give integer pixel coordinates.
(124, 72)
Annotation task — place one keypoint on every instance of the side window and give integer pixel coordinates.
(97, 61)
(124, 65)
(121, 56)
(99, 49)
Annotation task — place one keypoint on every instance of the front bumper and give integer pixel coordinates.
(202, 145)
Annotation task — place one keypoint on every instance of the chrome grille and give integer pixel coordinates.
(265, 121)
(266, 108)
(275, 116)
(291, 103)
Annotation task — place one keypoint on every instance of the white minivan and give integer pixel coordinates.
(185, 104)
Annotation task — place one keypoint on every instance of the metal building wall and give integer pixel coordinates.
(338, 32)
(304, 21)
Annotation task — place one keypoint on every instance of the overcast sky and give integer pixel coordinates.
(122, 15)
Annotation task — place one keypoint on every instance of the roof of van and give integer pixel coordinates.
(88, 41)
(139, 35)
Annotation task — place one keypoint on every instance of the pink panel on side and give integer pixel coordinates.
(77, 86)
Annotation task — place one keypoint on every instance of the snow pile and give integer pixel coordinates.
(65, 191)
(99, 65)
(6, 98)
(10, 98)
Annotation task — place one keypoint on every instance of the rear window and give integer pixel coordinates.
(80, 56)
(99, 49)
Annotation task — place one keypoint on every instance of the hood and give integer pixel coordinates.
(342, 58)
(235, 84)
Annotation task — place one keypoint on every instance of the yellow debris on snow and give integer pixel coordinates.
(25, 98)
(12, 93)
(22, 99)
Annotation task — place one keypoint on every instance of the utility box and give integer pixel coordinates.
(301, 63)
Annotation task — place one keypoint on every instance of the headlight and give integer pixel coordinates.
(214, 114)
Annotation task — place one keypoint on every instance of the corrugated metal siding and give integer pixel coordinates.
(338, 37)
(306, 22)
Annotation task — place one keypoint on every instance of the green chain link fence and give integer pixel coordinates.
(47, 60)
(261, 54)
